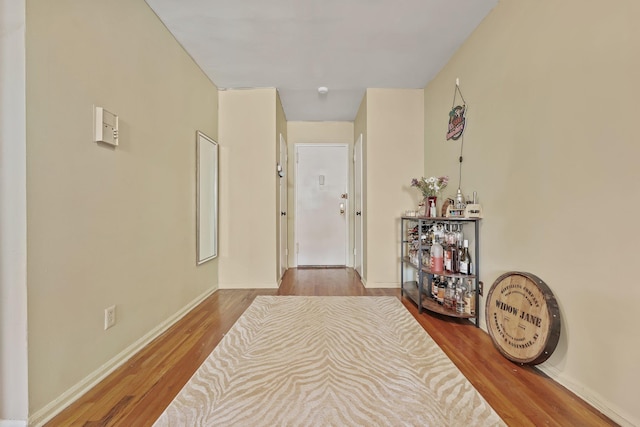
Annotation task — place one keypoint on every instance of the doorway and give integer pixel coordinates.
(322, 179)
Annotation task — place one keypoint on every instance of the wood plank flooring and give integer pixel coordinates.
(138, 392)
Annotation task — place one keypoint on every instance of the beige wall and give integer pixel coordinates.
(13, 214)
(394, 154)
(107, 225)
(316, 133)
(248, 189)
(551, 149)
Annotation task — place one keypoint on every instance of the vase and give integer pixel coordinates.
(429, 200)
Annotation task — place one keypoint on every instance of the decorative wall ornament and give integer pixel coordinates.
(457, 125)
(457, 120)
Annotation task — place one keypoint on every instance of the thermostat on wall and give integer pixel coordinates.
(106, 126)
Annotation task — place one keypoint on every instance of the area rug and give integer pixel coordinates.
(328, 361)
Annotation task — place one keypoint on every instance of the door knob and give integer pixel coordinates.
(358, 213)
(283, 214)
(341, 208)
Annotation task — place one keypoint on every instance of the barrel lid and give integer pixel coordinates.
(523, 318)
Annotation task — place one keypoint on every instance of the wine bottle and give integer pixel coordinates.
(455, 259)
(465, 259)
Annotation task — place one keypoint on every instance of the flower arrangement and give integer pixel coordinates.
(430, 186)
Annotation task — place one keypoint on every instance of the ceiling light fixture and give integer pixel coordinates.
(323, 90)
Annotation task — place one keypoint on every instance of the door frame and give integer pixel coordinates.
(358, 258)
(284, 188)
(347, 160)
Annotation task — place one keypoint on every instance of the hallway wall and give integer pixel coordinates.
(13, 215)
(394, 152)
(108, 226)
(248, 232)
(552, 152)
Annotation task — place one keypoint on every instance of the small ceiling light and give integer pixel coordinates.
(323, 90)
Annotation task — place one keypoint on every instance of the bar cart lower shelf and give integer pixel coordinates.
(410, 289)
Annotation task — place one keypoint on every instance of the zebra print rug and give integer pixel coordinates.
(328, 361)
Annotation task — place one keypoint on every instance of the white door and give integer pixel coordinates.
(357, 200)
(284, 235)
(321, 204)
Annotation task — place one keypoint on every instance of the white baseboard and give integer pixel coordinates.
(248, 286)
(381, 285)
(591, 397)
(74, 393)
(13, 423)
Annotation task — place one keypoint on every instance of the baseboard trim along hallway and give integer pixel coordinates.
(74, 393)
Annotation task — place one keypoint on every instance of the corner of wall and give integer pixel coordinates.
(14, 399)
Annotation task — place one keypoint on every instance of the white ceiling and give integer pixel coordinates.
(298, 45)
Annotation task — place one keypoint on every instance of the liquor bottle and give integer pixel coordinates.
(425, 258)
(437, 257)
(448, 266)
(455, 259)
(465, 259)
(434, 286)
(460, 306)
(442, 288)
(447, 296)
(470, 299)
(450, 301)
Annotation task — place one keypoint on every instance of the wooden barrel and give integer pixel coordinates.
(523, 318)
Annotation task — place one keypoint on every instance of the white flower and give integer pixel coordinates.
(430, 186)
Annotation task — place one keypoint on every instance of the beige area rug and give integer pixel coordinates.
(328, 361)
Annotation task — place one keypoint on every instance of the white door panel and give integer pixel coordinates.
(321, 212)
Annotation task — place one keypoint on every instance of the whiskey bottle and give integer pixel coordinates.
(434, 287)
(442, 289)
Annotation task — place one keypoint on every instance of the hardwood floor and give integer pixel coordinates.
(137, 392)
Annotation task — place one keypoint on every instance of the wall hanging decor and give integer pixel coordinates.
(455, 131)
(457, 115)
